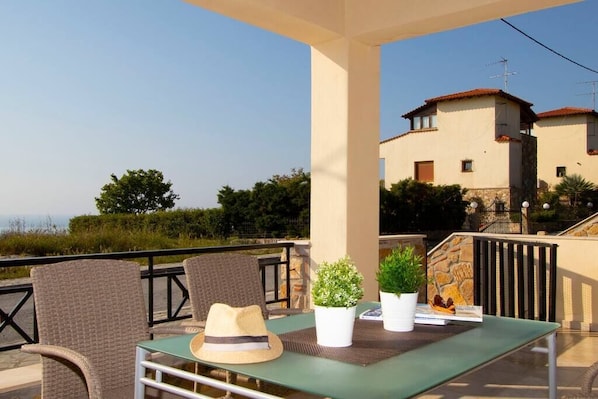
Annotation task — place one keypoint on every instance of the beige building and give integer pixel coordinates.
(480, 139)
(567, 144)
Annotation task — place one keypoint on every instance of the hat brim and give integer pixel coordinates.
(237, 357)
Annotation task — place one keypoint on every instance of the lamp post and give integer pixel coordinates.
(525, 217)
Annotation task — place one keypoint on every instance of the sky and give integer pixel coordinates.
(98, 87)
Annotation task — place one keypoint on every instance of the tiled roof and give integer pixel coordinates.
(478, 93)
(565, 111)
(525, 106)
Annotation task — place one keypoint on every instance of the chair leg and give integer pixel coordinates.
(231, 378)
(196, 385)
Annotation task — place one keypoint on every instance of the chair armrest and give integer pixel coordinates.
(194, 323)
(588, 380)
(54, 351)
(177, 330)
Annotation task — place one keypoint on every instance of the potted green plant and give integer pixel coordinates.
(400, 276)
(335, 293)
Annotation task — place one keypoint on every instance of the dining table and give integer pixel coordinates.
(378, 364)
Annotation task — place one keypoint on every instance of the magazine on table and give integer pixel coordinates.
(424, 314)
(375, 313)
(462, 313)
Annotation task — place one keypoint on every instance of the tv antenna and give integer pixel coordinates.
(505, 75)
(593, 93)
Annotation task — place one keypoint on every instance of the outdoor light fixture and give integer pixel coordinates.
(525, 204)
(473, 205)
(546, 206)
(590, 205)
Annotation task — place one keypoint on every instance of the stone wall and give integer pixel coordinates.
(451, 267)
(586, 228)
(489, 202)
(299, 269)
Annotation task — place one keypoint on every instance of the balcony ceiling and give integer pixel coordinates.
(373, 22)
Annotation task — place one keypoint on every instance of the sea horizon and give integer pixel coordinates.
(26, 222)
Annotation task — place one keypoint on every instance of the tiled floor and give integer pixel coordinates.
(520, 375)
(523, 374)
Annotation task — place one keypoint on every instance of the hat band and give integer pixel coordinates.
(238, 343)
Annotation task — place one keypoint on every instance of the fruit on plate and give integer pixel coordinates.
(440, 305)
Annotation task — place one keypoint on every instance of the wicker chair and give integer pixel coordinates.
(229, 278)
(586, 384)
(90, 315)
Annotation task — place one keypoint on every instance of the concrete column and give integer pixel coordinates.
(345, 150)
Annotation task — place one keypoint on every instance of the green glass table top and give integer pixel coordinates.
(402, 376)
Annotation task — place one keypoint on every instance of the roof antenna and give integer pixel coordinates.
(505, 75)
(593, 93)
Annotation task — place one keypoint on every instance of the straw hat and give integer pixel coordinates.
(236, 336)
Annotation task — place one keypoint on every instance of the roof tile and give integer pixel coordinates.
(565, 111)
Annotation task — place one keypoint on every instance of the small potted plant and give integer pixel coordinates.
(400, 276)
(335, 293)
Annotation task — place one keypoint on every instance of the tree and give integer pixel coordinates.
(574, 187)
(412, 206)
(276, 207)
(235, 208)
(137, 191)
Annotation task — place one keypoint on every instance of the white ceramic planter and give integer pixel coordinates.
(398, 312)
(334, 326)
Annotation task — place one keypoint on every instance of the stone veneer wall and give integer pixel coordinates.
(299, 270)
(451, 266)
(586, 228)
(488, 196)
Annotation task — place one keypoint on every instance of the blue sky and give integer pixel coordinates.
(96, 87)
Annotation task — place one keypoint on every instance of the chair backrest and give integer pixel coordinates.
(230, 278)
(94, 307)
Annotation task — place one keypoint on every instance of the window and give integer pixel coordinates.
(417, 123)
(424, 171)
(561, 171)
(499, 207)
(423, 122)
(467, 165)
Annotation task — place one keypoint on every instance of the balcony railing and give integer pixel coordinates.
(515, 278)
(20, 319)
